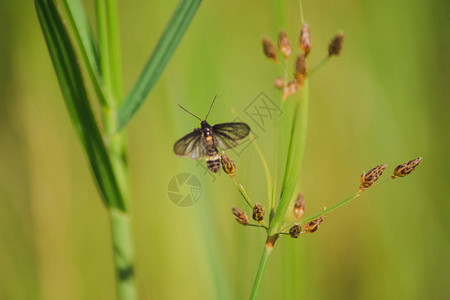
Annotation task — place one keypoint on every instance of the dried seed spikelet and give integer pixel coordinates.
(270, 50)
(258, 212)
(300, 69)
(312, 226)
(299, 206)
(369, 178)
(228, 165)
(295, 231)
(290, 89)
(240, 216)
(293, 86)
(284, 44)
(336, 44)
(279, 82)
(305, 39)
(406, 168)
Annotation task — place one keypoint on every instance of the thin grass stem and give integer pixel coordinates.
(243, 193)
(121, 225)
(320, 65)
(269, 181)
(261, 270)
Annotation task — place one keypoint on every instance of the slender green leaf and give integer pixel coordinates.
(167, 44)
(294, 160)
(71, 82)
(83, 33)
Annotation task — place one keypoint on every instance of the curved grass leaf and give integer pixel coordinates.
(72, 87)
(85, 39)
(167, 44)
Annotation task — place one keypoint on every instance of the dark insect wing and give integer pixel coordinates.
(226, 135)
(191, 145)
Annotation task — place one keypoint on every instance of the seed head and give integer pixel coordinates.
(290, 89)
(300, 69)
(305, 39)
(369, 178)
(406, 168)
(312, 226)
(240, 216)
(336, 44)
(295, 231)
(258, 212)
(284, 44)
(228, 165)
(299, 206)
(270, 50)
(279, 82)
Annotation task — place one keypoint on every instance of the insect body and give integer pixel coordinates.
(205, 140)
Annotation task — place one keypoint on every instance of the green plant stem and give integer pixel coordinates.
(266, 171)
(122, 239)
(295, 155)
(302, 17)
(322, 63)
(277, 146)
(112, 21)
(321, 213)
(102, 28)
(334, 207)
(261, 270)
(243, 193)
(121, 225)
(328, 210)
(294, 158)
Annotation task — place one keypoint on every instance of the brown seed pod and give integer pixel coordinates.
(295, 231)
(336, 44)
(228, 165)
(369, 178)
(258, 212)
(305, 39)
(312, 226)
(240, 216)
(284, 44)
(406, 168)
(270, 50)
(300, 69)
(299, 206)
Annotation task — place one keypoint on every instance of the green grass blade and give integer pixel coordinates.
(85, 39)
(294, 161)
(71, 82)
(167, 44)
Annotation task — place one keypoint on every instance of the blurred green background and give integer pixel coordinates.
(384, 100)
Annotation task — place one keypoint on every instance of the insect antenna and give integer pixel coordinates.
(189, 112)
(212, 103)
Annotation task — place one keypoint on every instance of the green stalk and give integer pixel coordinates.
(294, 160)
(268, 247)
(269, 182)
(319, 66)
(293, 164)
(122, 239)
(121, 225)
(328, 210)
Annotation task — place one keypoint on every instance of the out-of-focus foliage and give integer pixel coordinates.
(385, 99)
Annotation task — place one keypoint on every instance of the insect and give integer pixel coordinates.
(205, 140)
